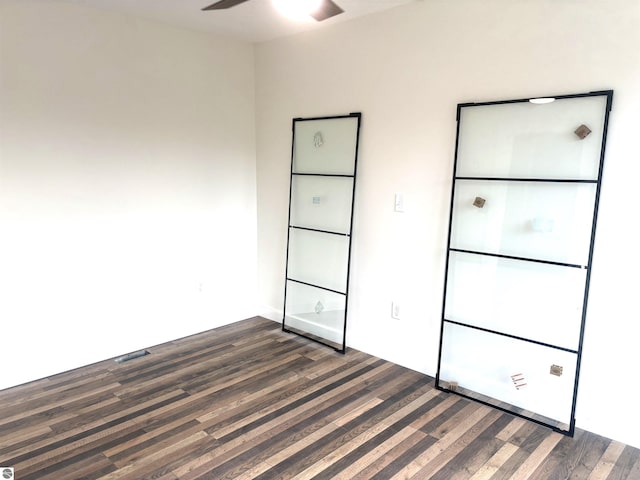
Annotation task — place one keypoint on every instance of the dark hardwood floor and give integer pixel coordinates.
(247, 401)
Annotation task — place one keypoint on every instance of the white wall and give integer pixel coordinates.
(406, 70)
(127, 173)
(127, 185)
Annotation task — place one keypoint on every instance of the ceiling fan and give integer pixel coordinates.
(327, 8)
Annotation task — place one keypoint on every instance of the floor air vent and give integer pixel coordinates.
(131, 356)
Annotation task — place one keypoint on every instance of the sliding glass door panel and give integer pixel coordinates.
(531, 300)
(527, 179)
(318, 258)
(507, 372)
(530, 140)
(326, 146)
(321, 196)
(316, 312)
(545, 221)
(322, 203)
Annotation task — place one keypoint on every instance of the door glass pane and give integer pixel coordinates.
(545, 221)
(322, 203)
(524, 140)
(315, 312)
(506, 365)
(531, 300)
(526, 183)
(325, 146)
(318, 258)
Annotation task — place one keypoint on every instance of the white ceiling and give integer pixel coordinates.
(253, 21)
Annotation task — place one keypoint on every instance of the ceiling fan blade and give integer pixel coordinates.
(327, 9)
(224, 4)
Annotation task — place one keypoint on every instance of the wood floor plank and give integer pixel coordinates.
(280, 456)
(25, 436)
(272, 431)
(511, 464)
(565, 457)
(510, 430)
(301, 427)
(634, 471)
(627, 465)
(67, 455)
(529, 436)
(93, 465)
(319, 393)
(537, 456)
(248, 401)
(491, 466)
(369, 444)
(590, 451)
(44, 395)
(447, 463)
(455, 420)
(323, 447)
(400, 453)
(470, 454)
(472, 414)
(152, 440)
(119, 419)
(59, 401)
(607, 461)
(138, 467)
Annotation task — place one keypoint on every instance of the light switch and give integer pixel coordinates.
(399, 203)
(316, 200)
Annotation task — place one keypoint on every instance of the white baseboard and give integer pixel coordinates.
(322, 327)
(326, 325)
(271, 313)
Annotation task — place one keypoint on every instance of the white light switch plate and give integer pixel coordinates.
(399, 203)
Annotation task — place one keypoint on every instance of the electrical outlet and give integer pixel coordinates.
(395, 310)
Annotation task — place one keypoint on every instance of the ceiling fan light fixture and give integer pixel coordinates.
(542, 100)
(299, 10)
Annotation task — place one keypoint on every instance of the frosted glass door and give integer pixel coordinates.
(323, 173)
(548, 221)
(524, 201)
(321, 202)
